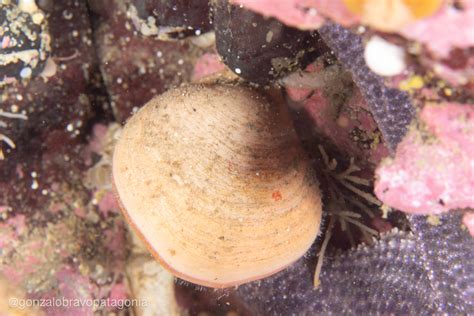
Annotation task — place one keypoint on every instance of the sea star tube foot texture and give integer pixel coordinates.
(448, 257)
(403, 273)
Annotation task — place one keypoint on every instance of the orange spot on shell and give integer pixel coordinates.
(276, 196)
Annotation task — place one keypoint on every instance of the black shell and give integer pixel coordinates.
(261, 49)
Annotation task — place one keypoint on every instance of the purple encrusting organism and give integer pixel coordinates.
(385, 278)
(428, 271)
(447, 253)
(391, 108)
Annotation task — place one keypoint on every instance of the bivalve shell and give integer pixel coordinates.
(215, 180)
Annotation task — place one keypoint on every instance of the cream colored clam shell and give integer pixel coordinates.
(216, 182)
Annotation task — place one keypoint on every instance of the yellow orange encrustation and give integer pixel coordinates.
(392, 15)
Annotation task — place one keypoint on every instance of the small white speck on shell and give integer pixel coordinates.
(269, 36)
(384, 58)
(34, 185)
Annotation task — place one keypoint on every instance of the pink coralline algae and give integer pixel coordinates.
(447, 29)
(206, 65)
(96, 144)
(433, 169)
(108, 204)
(303, 14)
(74, 291)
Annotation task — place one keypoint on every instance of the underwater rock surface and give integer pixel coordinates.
(94, 63)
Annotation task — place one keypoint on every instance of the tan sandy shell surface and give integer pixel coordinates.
(215, 180)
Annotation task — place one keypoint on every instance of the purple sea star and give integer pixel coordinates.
(428, 271)
(391, 108)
